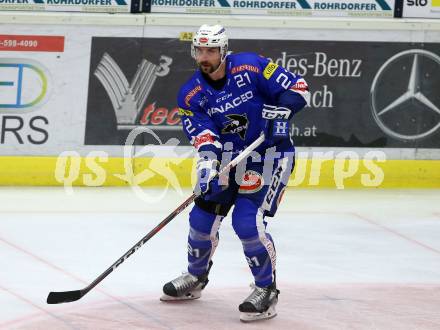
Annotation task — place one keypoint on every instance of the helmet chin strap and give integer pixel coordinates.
(218, 68)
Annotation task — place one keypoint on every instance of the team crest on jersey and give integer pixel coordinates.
(251, 182)
(203, 101)
(237, 124)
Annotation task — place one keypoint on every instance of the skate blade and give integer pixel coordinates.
(189, 296)
(252, 317)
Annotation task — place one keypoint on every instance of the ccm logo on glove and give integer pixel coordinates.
(274, 112)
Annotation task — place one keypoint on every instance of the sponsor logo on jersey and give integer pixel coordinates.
(300, 86)
(231, 104)
(237, 124)
(245, 67)
(223, 98)
(269, 70)
(202, 139)
(251, 182)
(192, 93)
(184, 112)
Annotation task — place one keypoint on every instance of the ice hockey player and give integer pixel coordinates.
(225, 106)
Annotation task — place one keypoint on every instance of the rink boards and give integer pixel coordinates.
(74, 89)
(309, 173)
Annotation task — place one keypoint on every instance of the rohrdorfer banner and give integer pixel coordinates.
(97, 6)
(353, 8)
(363, 94)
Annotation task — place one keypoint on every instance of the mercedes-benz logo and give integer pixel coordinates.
(405, 95)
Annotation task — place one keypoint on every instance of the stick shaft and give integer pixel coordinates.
(80, 293)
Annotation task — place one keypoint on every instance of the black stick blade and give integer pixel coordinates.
(64, 297)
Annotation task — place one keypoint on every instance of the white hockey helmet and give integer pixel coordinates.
(210, 36)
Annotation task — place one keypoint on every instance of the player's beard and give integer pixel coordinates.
(207, 67)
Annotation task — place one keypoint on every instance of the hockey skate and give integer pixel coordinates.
(185, 287)
(260, 305)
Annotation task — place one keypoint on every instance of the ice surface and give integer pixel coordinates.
(351, 259)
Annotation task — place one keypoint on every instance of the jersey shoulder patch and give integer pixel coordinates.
(190, 93)
(245, 62)
(269, 69)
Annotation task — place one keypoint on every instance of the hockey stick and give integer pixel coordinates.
(69, 296)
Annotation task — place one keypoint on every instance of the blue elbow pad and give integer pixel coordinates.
(292, 101)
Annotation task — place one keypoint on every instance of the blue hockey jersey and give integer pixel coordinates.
(234, 113)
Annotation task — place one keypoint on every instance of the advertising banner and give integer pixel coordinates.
(421, 8)
(364, 94)
(364, 8)
(97, 6)
(43, 87)
(26, 85)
